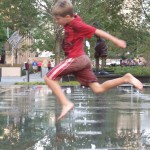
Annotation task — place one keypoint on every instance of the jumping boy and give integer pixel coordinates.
(76, 61)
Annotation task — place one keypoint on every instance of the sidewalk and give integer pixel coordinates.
(12, 80)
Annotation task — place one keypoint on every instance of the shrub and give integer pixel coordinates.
(135, 70)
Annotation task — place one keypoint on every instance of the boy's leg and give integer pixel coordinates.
(127, 78)
(66, 104)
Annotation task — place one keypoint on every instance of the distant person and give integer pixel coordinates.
(76, 61)
(26, 67)
(52, 63)
(49, 65)
(34, 66)
(39, 65)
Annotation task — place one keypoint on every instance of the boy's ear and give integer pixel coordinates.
(68, 16)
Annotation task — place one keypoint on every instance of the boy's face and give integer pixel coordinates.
(62, 20)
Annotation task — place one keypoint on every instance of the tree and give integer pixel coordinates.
(16, 17)
(35, 17)
(146, 11)
(2, 40)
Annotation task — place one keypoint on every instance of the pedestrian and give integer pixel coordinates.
(52, 63)
(49, 65)
(76, 61)
(39, 64)
(34, 66)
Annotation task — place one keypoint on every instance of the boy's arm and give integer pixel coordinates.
(115, 40)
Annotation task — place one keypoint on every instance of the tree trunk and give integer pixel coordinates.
(103, 63)
(3, 55)
(58, 46)
(16, 56)
(97, 64)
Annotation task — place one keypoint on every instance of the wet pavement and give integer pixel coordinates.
(116, 120)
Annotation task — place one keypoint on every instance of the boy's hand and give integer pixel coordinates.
(121, 43)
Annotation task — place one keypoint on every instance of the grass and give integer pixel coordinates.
(71, 83)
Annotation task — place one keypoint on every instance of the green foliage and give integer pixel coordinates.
(146, 12)
(71, 83)
(104, 13)
(135, 70)
(44, 41)
(19, 15)
(34, 17)
(2, 35)
(29, 83)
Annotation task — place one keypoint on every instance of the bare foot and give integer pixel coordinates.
(132, 80)
(65, 110)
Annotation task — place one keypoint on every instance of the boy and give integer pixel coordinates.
(77, 62)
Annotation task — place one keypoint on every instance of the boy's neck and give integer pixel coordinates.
(70, 19)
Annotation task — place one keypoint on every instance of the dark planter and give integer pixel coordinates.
(103, 78)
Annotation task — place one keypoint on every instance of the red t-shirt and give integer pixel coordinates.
(75, 33)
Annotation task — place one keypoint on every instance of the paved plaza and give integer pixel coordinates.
(12, 80)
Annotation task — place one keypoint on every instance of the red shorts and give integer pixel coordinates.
(80, 67)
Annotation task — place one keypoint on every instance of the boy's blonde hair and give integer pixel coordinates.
(63, 8)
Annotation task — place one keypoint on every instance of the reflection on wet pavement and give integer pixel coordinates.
(116, 120)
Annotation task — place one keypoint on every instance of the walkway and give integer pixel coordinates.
(12, 80)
